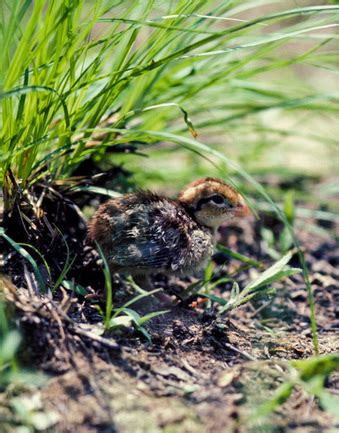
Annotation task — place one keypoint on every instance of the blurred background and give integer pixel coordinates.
(266, 97)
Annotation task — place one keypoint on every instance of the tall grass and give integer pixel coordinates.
(148, 72)
(66, 65)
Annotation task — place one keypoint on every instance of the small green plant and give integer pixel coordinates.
(29, 413)
(309, 374)
(108, 287)
(261, 286)
(124, 316)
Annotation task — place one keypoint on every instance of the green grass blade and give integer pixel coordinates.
(27, 257)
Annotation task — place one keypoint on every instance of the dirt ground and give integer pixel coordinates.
(201, 373)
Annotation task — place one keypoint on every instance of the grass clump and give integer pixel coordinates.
(260, 286)
(70, 69)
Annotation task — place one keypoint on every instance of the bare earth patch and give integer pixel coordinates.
(200, 373)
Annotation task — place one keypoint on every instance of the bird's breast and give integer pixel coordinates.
(201, 247)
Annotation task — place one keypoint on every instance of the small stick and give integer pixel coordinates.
(31, 284)
(111, 344)
(104, 341)
(241, 352)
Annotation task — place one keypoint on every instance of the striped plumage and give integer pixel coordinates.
(142, 233)
(145, 232)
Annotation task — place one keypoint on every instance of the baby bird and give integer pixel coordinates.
(143, 233)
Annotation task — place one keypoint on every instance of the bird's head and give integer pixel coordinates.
(213, 202)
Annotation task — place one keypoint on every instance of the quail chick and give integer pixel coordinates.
(143, 233)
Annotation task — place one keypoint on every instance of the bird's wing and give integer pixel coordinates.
(147, 240)
(147, 249)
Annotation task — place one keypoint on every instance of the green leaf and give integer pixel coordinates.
(215, 298)
(27, 257)
(98, 190)
(280, 396)
(137, 298)
(289, 207)
(242, 299)
(67, 265)
(235, 291)
(145, 333)
(278, 276)
(209, 271)
(238, 256)
(75, 287)
(285, 240)
(272, 274)
(318, 365)
(150, 316)
(329, 402)
(125, 321)
(219, 281)
(133, 314)
(9, 346)
(108, 282)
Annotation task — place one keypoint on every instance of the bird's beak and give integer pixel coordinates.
(242, 210)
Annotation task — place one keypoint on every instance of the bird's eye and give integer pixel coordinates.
(217, 199)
